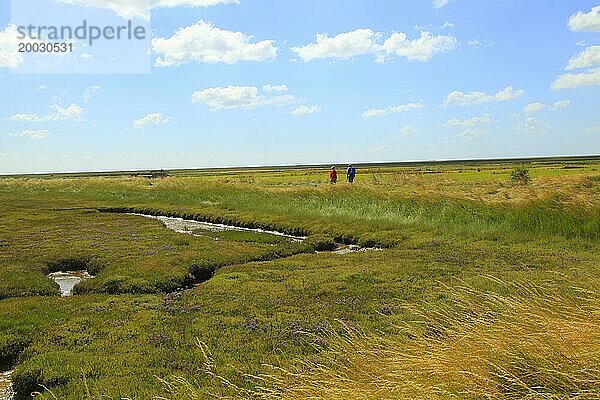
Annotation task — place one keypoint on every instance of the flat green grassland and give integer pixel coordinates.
(483, 289)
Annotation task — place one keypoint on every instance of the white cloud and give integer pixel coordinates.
(366, 41)
(464, 99)
(379, 112)
(305, 110)
(72, 112)
(447, 25)
(531, 125)
(152, 118)
(218, 98)
(344, 45)
(589, 57)
(470, 134)
(593, 129)
(275, 88)
(141, 8)
(88, 92)
(203, 42)
(437, 4)
(586, 22)
(31, 134)
(572, 81)
(421, 49)
(533, 108)
(9, 47)
(475, 121)
(408, 130)
(41, 87)
(560, 104)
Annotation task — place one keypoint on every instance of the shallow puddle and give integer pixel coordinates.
(188, 226)
(6, 392)
(68, 280)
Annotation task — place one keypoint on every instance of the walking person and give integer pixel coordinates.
(351, 173)
(333, 175)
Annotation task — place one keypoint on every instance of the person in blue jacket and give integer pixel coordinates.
(351, 173)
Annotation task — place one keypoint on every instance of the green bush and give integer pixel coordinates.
(520, 175)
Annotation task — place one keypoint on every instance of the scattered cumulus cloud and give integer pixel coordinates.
(31, 134)
(366, 41)
(306, 110)
(72, 112)
(205, 43)
(560, 104)
(572, 81)
(345, 45)
(437, 4)
(230, 97)
(379, 112)
(531, 124)
(421, 49)
(590, 57)
(151, 119)
(447, 25)
(533, 108)
(471, 122)
(141, 8)
(586, 22)
(458, 98)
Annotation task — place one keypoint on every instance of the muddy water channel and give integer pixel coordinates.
(6, 392)
(68, 280)
(190, 226)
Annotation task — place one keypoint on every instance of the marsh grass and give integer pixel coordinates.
(407, 322)
(538, 343)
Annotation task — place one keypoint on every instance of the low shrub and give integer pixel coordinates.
(520, 175)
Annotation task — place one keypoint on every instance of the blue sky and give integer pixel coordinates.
(235, 83)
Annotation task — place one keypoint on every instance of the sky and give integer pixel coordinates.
(224, 83)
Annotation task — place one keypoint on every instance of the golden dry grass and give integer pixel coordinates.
(532, 345)
(487, 347)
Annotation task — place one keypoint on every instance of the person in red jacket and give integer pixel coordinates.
(333, 175)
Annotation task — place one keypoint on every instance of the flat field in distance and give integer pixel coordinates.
(473, 286)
